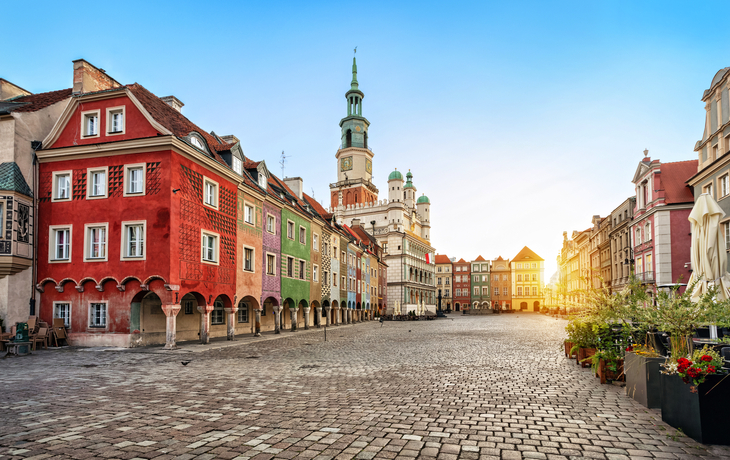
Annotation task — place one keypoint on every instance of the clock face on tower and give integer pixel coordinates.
(368, 166)
(346, 164)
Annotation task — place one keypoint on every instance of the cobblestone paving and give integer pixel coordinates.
(485, 387)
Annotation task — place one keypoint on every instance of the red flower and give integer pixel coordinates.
(706, 358)
(710, 369)
(693, 372)
(630, 348)
(682, 361)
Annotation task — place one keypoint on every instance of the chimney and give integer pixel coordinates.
(10, 90)
(355, 223)
(88, 79)
(296, 184)
(173, 102)
(230, 139)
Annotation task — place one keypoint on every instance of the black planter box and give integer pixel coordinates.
(643, 379)
(703, 416)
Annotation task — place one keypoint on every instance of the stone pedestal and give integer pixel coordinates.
(327, 319)
(205, 311)
(306, 318)
(318, 312)
(293, 312)
(277, 320)
(171, 312)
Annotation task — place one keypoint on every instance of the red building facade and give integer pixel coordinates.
(462, 285)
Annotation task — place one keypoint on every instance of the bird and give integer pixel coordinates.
(185, 363)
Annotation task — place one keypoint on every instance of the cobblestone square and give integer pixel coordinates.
(485, 387)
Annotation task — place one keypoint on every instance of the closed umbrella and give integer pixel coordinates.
(708, 256)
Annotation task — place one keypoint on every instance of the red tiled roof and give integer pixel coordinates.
(526, 254)
(499, 258)
(250, 164)
(673, 180)
(175, 121)
(319, 209)
(364, 236)
(40, 101)
(479, 259)
(461, 261)
(442, 259)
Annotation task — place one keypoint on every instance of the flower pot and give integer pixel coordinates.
(584, 353)
(702, 415)
(606, 374)
(643, 379)
(568, 345)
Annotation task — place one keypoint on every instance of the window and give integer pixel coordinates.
(475, 268)
(315, 241)
(519, 277)
(115, 120)
(534, 291)
(60, 243)
(197, 142)
(638, 237)
(62, 310)
(438, 281)
(210, 247)
(448, 281)
(534, 277)
(134, 177)
(342, 285)
(325, 277)
(302, 270)
(188, 307)
(647, 262)
(504, 277)
(334, 280)
(248, 213)
(647, 231)
(485, 278)
(302, 235)
(271, 224)
(476, 278)
(290, 267)
(343, 257)
(133, 236)
(726, 229)
(476, 291)
(315, 273)
(210, 193)
(290, 230)
(62, 186)
(217, 316)
(243, 313)
(95, 246)
(485, 291)
(708, 189)
(457, 292)
(639, 265)
(504, 291)
(262, 181)
(519, 290)
(96, 183)
(248, 259)
(270, 264)
(238, 167)
(97, 314)
(496, 291)
(90, 123)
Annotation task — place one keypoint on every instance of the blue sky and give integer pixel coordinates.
(518, 119)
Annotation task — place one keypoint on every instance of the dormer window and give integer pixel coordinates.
(262, 180)
(238, 165)
(197, 142)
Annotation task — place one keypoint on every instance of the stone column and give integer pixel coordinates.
(171, 312)
(348, 314)
(257, 323)
(327, 320)
(277, 320)
(205, 311)
(231, 324)
(293, 312)
(306, 318)
(318, 312)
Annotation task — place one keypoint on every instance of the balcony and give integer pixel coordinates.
(646, 277)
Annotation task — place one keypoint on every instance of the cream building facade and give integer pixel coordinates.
(528, 280)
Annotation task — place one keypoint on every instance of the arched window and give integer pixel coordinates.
(348, 138)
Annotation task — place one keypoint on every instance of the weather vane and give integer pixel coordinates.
(356, 50)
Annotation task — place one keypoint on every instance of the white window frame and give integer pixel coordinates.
(90, 183)
(253, 259)
(315, 273)
(54, 192)
(207, 181)
(315, 241)
(273, 264)
(242, 312)
(128, 178)
(237, 165)
(92, 316)
(246, 208)
(217, 238)
(66, 320)
(476, 290)
(216, 311)
(290, 225)
(124, 249)
(87, 241)
(724, 185)
(302, 235)
(504, 291)
(271, 219)
(302, 270)
(52, 243)
(109, 114)
(85, 115)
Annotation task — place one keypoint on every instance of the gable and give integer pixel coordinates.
(70, 128)
(640, 171)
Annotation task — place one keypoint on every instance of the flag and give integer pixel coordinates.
(428, 258)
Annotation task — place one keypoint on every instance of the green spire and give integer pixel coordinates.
(353, 85)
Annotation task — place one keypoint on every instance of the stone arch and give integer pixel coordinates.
(105, 280)
(60, 285)
(153, 277)
(267, 313)
(357, 306)
(247, 304)
(536, 306)
(523, 305)
(130, 278)
(475, 305)
(188, 319)
(40, 286)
